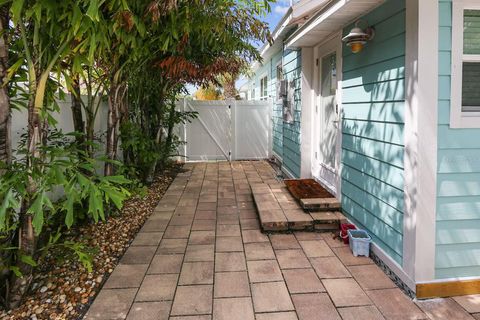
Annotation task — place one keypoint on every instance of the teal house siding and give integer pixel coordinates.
(458, 181)
(373, 101)
(292, 70)
(277, 112)
(285, 136)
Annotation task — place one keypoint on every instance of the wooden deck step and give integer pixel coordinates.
(279, 211)
(311, 195)
(320, 204)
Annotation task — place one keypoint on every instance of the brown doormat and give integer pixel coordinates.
(307, 189)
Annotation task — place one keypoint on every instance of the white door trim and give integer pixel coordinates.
(333, 44)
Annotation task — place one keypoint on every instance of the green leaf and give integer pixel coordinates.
(117, 179)
(92, 11)
(28, 260)
(72, 197)
(16, 271)
(16, 9)
(37, 210)
(8, 202)
(116, 197)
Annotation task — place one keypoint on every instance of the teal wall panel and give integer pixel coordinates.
(292, 68)
(286, 136)
(373, 101)
(458, 179)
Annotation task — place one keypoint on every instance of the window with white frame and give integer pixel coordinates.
(465, 104)
(264, 88)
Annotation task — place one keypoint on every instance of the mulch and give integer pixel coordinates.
(65, 289)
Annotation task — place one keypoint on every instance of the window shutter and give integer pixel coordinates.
(471, 70)
(471, 32)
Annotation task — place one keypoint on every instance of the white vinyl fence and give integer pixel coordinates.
(226, 130)
(63, 117)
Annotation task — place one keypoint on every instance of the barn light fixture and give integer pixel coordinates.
(358, 37)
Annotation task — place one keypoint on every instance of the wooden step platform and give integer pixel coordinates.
(311, 195)
(279, 211)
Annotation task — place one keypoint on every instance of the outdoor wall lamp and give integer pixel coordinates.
(358, 37)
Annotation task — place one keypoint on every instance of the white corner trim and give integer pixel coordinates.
(306, 113)
(459, 119)
(420, 160)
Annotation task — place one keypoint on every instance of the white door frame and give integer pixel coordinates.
(331, 45)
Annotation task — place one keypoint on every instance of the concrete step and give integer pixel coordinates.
(320, 204)
(279, 211)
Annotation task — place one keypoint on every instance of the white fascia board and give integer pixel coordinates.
(307, 27)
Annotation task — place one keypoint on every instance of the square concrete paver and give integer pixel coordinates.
(147, 239)
(157, 287)
(149, 311)
(202, 237)
(348, 259)
(284, 241)
(302, 281)
(204, 225)
(316, 248)
(471, 303)
(229, 261)
(138, 255)
(126, 276)
(371, 277)
(192, 300)
(172, 246)
(233, 309)
(111, 304)
(443, 309)
(250, 236)
(206, 215)
(314, 306)
(361, 313)
(259, 251)
(329, 267)
(271, 297)
(201, 252)
(229, 244)
(395, 305)
(346, 292)
(205, 317)
(277, 316)
(196, 273)
(228, 230)
(177, 232)
(264, 271)
(166, 264)
(250, 224)
(292, 259)
(231, 284)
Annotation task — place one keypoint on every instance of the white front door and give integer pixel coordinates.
(326, 158)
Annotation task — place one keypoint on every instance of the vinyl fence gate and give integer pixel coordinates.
(226, 130)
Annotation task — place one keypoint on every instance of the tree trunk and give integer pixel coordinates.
(78, 123)
(5, 117)
(26, 235)
(112, 128)
(169, 138)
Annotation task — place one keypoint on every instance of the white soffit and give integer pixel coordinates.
(330, 19)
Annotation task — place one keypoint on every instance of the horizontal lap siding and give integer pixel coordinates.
(291, 132)
(458, 181)
(277, 115)
(373, 100)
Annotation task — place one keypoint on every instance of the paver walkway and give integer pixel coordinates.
(202, 256)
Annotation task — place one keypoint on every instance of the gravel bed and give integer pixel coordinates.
(65, 289)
